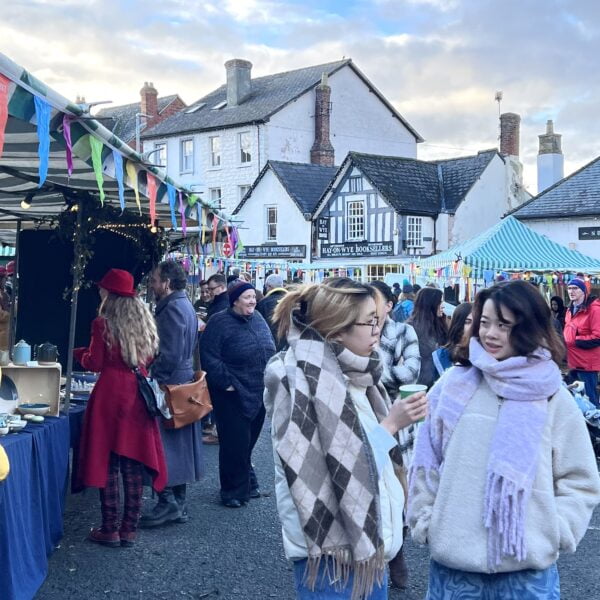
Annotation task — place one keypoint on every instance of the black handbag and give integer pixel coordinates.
(147, 394)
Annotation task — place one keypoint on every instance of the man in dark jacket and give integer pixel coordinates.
(217, 286)
(274, 293)
(177, 326)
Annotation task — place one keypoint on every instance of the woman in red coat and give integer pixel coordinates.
(118, 434)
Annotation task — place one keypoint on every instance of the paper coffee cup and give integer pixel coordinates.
(410, 389)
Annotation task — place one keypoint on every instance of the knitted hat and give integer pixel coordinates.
(407, 288)
(237, 289)
(119, 282)
(579, 283)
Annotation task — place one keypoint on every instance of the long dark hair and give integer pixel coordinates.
(533, 319)
(424, 315)
(456, 333)
(561, 306)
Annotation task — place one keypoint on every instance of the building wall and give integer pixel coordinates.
(292, 228)
(359, 122)
(566, 232)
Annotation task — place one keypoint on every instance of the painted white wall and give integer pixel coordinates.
(565, 232)
(550, 169)
(292, 228)
(443, 227)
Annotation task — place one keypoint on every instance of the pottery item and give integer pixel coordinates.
(4, 430)
(46, 353)
(4, 358)
(17, 425)
(34, 409)
(37, 419)
(21, 353)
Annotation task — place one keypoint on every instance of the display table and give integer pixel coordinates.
(31, 505)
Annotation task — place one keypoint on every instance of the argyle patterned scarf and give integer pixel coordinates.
(328, 462)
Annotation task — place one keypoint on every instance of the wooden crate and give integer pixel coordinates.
(37, 384)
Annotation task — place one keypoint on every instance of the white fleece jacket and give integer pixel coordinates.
(566, 489)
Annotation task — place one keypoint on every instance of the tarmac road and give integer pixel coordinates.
(227, 554)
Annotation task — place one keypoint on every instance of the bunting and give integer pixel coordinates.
(42, 118)
(4, 85)
(203, 226)
(118, 160)
(132, 174)
(68, 143)
(171, 193)
(182, 212)
(215, 222)
(96, 146)
(152, 188)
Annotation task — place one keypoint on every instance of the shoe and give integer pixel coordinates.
(210, 439)
(98, 536)
(232, 503)
(166, 511)
(255, 493)
(127, 538)
(180, 491)
(398, 571)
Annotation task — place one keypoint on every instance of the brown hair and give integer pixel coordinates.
(533, 321)
(424, 316)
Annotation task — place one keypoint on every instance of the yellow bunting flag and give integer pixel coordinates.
(132, 174)
(96, 147)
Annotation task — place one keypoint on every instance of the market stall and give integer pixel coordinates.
(509, 250)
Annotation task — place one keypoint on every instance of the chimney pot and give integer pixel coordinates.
(149, 101)
(509, 134)
(239, 82)
(550, 160)
(322, 152)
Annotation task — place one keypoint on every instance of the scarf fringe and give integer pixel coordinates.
(504, 518)
(339, 565)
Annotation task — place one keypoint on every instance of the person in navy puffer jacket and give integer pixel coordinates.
(236, 346)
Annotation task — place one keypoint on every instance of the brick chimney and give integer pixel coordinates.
(149, 103)
(509, 134)
(322, 152)
(239, 83)
(550, 160)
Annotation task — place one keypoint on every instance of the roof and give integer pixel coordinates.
(574, 196)
(121, 119)
(512, 246)
(269, 95)
(421, 187)
(305, 183)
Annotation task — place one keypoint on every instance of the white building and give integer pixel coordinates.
(222, 142)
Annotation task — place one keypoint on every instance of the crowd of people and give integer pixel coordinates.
(492, 468)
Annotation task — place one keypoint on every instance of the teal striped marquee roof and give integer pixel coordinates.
(512, 246)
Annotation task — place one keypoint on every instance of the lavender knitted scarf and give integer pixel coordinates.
(523, 385)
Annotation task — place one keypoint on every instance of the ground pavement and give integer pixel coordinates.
(226, 554)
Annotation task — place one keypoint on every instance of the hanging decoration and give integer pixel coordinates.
(203, 225)
(118, 160)
(171, 193)
(96, 146)
(182, 212)
(215, 222)
(151, 189)
(68, 143)
(132, 175)
(4, 84)
(42, 117)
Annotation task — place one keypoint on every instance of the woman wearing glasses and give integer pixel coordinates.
(337, 464)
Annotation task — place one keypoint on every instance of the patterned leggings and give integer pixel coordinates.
(451, 584)
(131, 472)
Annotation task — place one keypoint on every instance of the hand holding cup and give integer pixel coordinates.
(410, 407)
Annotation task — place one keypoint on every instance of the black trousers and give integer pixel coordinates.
(237, 438)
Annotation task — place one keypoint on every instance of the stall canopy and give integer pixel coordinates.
(512, 246)
(52, 149)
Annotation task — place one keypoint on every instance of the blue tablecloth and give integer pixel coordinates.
(31, 505)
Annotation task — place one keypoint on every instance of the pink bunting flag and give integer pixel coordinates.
(4, 84)
(68, 144)
(152, 188)
(182, 211)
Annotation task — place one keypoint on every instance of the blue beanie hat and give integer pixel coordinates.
(579, 283)
(237, 289)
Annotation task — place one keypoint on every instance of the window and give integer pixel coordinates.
(245, 155)
(243, 190)
(271, 223)
(220, 105)
(356, 184)
(355, 221)
(215, 151)
(414, 232)
(215, 196)
(160, 154)
(195, 107)
(187, 156)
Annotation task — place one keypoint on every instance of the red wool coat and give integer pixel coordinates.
(115, 419)
(584, 326)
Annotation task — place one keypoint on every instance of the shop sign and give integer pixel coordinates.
(589, 233)
(274, 251)
(357, 249)
(323, 228)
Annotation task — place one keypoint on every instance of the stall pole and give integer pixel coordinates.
(77, 275)
(14, 296)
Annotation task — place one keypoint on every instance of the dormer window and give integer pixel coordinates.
(195, 107)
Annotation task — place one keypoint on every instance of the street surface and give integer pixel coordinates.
(227, 554)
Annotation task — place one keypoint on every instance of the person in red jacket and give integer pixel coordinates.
(118, 433)
(582, 336)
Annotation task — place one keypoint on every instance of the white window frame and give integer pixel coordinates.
(214, 144)
(414, 232)
(270, 225)
(186, 161)
(161, 157)
(355, 184)
(355, 220)
(245, 147)
(243, 190)
(215, 196)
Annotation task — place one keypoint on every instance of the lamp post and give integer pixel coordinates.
(138, 130)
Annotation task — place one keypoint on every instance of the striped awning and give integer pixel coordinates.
(513, 247)
(19, 162)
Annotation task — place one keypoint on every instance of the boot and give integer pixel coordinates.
(165, 511)
(399, 571)
(179, 491)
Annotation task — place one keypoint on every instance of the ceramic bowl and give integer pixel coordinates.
(4, 430)
(34, 409)
(17, 425)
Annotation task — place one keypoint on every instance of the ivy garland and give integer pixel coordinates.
(149, 244)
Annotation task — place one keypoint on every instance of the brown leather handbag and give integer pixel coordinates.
(187, 402)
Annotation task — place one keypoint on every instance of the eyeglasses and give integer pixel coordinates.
(212, 288)
(374, 325)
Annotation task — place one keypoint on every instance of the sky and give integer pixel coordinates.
(440, 62)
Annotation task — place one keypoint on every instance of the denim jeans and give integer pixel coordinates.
(590, 380)
(325, 589)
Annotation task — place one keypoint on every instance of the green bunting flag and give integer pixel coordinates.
(96, 146)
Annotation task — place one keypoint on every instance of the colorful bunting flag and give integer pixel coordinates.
(4, 84)
(42, 117)
(203, 225)
(118, 160)
(68, 143)
(182, 212)
(132, 174)
(214, 233)
(152, 188)
(171, 192)
(96, 146)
